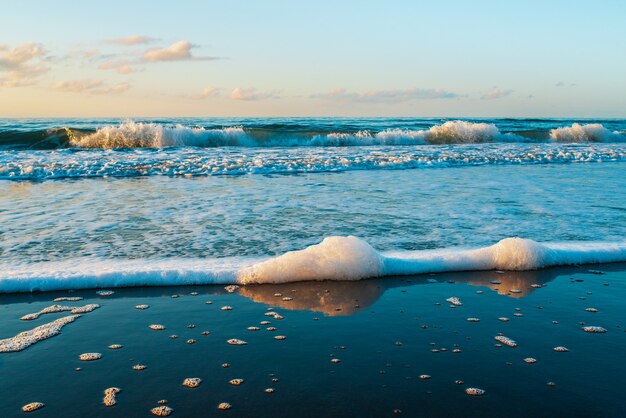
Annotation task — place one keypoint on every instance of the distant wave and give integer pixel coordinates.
(593, 132)
(335, 258)
(131, 134)
(152, 135)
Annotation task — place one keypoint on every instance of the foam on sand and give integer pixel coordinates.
(30, 337)
(335, 258)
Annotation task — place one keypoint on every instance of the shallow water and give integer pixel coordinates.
(221, 223)
(375, 376)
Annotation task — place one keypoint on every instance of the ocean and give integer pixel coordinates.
(101, 203)
(313, 267)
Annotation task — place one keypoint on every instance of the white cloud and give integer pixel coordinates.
(76, 86)
(251, 94)
(116, 89)
(131, 40)
(178, 51)
(83, 53)
(387, 96)
(21, 54)
(89, 86)
(496, 93)
(21, 65)
(207, 92)
(120, 66)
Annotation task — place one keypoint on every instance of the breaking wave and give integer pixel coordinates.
(335, 258)
(152, 135)
(593, 132)
(131, 134)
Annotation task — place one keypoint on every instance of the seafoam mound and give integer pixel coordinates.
(335, 258)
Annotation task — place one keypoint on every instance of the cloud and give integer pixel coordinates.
(207, 92)
(131, 40)
(496, 93)
(76, 86)
(83, 53)
(387, 96)
(25, 75)
(120, 66)
(251, 94)
(12, 59)
(178, 51)
(559, 84)
(116, 89)
(21, 66)
(89, 86)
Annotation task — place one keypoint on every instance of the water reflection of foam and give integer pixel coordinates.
(330, 297)
(335, 298)
(346, 298)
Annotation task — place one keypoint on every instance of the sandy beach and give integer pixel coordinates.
(372, 347)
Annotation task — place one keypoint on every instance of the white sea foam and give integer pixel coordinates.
(335, 258)
(39, 165)
(592, 132)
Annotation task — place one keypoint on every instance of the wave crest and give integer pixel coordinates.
(151, 135)
(131, 134)
(462, 132)
(592, 132)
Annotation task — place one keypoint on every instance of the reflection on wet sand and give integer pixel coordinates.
(330, 298)
(334, 298)
(345, 298)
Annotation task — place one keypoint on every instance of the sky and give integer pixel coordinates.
(548, 58)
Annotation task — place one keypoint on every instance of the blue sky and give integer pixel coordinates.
(322, 58)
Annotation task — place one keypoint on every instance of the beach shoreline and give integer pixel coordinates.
(387, 335)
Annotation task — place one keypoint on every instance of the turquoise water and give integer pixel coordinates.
(191, 201)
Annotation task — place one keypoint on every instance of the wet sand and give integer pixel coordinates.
(370, 348)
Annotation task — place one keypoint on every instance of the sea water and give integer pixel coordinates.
(102, 203)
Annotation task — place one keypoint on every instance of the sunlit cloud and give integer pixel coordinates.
(21, 66)
(207, 92)
(83, 53)
(89, 86)
(131, 40)
(251, 94)
(178, 51)
(120, 66)
(387, 96)
(116, 89)
(496, 93)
